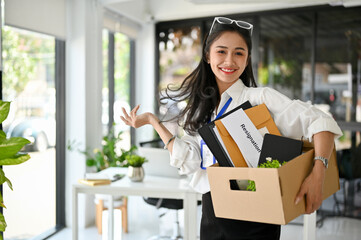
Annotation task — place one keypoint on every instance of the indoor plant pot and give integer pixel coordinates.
(135, 167)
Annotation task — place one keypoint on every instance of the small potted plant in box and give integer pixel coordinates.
(270, 163)
(135, 167)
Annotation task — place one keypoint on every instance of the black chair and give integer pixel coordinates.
(173, 204)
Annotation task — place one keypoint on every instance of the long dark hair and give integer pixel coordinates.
(199, 89)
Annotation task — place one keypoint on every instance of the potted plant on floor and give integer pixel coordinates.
(9, 155)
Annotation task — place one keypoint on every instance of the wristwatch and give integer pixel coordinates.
(323, 160)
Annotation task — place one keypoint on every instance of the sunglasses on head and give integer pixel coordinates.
(224, 20)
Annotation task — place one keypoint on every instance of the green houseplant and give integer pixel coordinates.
(107, 156)
(135, 167)
(9, 155)
(135, 160)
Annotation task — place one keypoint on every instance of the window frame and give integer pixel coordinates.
(111, 80)
(60, 146)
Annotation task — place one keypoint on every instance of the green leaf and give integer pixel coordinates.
(2, 134)
(268, 164)
(136, 160)
(4, 110)
(3, 179)
(2, 224)
(99, 158)
(10, 185)
(2, 176)
(2, 201)
(90, 162)
(17, 159)
(251, 186)
(10, 147)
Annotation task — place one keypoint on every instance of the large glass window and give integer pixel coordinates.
(121, 84)
(338, 67)
(29, 83)
(179, 53)
(284, 53)
(337, 85)
(116, 85)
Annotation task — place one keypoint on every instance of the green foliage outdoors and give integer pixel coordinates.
(268, 164)
(135, 160)
(122, 66)
(22, 53)
(9, 155)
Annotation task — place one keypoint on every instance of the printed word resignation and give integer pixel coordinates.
(250, 138)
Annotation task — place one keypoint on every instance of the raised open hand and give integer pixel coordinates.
(134, 120)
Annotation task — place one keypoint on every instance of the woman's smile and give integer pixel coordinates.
(228, 57)
(227, 70)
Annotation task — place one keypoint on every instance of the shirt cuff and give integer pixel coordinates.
(324, 124)
(178, 154)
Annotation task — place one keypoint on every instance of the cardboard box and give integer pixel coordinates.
(276, 189)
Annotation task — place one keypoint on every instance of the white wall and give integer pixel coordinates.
(83, 94)
(83, 91)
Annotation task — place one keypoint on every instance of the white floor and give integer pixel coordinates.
(144, 223)
(332, 229)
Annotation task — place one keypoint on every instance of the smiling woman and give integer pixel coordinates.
(222, 81)
(228, 59)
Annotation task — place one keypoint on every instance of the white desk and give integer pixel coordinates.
(159, 187)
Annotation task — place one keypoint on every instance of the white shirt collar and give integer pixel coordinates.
(233, 91)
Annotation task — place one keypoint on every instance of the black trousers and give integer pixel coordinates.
(213, 228)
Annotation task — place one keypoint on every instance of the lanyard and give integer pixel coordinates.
(224, 108)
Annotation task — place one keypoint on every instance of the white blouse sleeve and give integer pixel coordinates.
(186, 154)
(295, 118)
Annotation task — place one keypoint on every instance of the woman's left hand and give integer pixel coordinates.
(313, 185)
(312, 188)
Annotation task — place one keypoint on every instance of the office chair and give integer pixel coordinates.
(119, 203)
(173, 204)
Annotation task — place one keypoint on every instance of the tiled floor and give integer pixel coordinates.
(144, 223)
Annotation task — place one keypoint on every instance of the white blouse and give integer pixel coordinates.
(294, 119)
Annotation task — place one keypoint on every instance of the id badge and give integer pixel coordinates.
(206, 155)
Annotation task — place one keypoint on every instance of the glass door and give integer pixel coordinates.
(29, 83)
(117, 84)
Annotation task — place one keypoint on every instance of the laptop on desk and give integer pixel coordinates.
(158, 163)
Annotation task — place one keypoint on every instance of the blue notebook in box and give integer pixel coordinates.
(280, 148)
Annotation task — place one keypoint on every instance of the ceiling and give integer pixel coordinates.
(145, 11)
